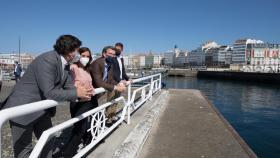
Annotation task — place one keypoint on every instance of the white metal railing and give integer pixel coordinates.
(98, 129)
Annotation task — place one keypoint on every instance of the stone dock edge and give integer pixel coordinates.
(242, 143)
(134, 142)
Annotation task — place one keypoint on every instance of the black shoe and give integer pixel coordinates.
(108, 124)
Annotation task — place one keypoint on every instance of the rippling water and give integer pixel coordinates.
(253, 109)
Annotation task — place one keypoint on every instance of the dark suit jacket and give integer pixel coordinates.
(97, 72)
(117, 71)
(18, 70)
(42, 80)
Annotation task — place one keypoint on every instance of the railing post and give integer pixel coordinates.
(1, 124)
(151, 88)
(159, 81)
(129, 93)
(128, 114)
(129, 103)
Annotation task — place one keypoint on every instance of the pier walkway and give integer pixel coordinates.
(176, 123)
(191, 127)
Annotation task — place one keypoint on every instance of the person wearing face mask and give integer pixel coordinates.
(81, 77)
(101, 71)
(47, 77)
(119, 69)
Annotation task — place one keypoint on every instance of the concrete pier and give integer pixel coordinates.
(191, 127)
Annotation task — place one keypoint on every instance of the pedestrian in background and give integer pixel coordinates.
(17, 71)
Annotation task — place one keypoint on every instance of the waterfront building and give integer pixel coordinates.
(210, 49)
(7, 60)
(239, 50)
(219, 56)
(149, 61)
(262, 57)
(142, 61)
(127, 61)
(209, 57)
(157, 61)
(168, 58)
(228, 56)
(216, 56)
(196, 57)
(175, 57)
(180, 59)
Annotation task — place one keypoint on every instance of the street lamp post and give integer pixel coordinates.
(19, 50)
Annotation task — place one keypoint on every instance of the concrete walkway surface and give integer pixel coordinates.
(190, 127)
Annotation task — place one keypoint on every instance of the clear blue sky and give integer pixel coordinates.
(142, 25)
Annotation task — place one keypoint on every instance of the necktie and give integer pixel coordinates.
(105, 75)
(66, 70)
(67, 67)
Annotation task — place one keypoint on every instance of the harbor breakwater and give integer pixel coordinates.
(241, 76)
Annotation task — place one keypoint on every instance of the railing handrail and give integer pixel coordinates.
(25, 109)
(145, 78)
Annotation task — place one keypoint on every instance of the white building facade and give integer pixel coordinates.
(196, 57)
(7, 60)
(262, 57)
(168, 58)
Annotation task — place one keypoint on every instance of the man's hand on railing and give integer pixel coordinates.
(120, 87)
(130, 81)
(84, 93)
(126, 83)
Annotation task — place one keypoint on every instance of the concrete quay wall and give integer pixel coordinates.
(241, 76)
(182, 72)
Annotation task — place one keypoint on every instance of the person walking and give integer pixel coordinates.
(17, 71)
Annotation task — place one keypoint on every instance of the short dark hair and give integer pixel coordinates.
(104, 50)
(119, 44)
(66, 44)
(81, 51)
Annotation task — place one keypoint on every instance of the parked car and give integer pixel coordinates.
(6, 76)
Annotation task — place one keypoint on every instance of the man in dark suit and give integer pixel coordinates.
(47, 77)
(119, 69)
(102, 72)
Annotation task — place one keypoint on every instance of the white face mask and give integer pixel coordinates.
(84, 60)
(76, 58)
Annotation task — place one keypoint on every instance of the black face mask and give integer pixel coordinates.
(118, 53)
(109, 59)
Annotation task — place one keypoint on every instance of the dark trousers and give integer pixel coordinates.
(80, 128)
(112, 109)
(17, 78)
(22, 137)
